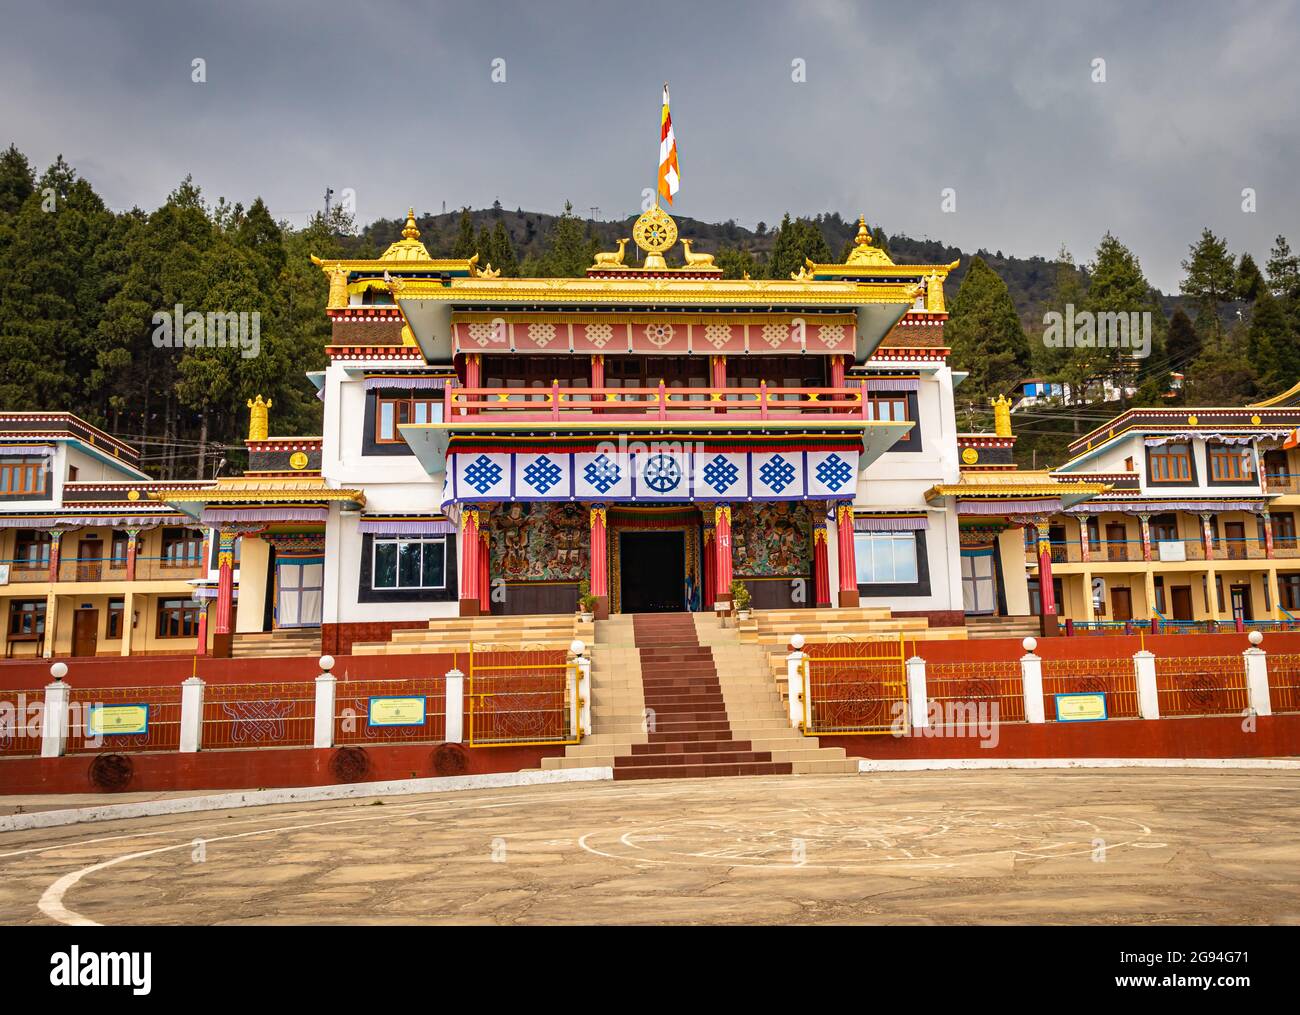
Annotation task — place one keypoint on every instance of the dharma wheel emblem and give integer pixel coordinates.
(298, 460)
(662, 474)
(654, 232)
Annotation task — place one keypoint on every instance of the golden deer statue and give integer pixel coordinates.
(611, 258)
(696, 260)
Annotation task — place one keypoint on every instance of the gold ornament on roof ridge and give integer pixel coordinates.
(611, 258)
(864, 251)
(258, 419)
(654, 232)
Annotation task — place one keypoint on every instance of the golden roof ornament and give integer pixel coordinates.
(654, 232)
(258, 419)
(864, 251)
(611, 258)
(409, 247)
(338, 276)
(934, 294)
(1002, 416)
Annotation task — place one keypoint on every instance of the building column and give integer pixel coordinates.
(1207, 536)
(1149, 587)
(132, 546)
(1212, 593)
(128, 615)
(56, 540)
(600, 560)
(1267, 520)
(51, 624)
(710, 582)
(847, 555)
(473, 376)
(1085, 546)
(1089, 607)
(1144, 524)
(837, 371)
(821, 569)
(597, 370)
(722, 558)
(1274, 593)
(718, 378)
(222, 637)
(470, 546)
(1046, 586)
(484, 573)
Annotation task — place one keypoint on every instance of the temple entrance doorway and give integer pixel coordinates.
(652, 571)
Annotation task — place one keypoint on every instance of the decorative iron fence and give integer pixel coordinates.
(518, 698)
(20, 721)
(259, 715)
(405, 709)
(1284, 682)
(1201, 685)
(113, 719)
(1115, 678)
(997, 686)
(854, 687)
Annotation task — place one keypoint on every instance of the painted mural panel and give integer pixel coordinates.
(540, 542)
(771, 540)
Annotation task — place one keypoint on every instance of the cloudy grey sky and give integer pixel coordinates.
(394, 98)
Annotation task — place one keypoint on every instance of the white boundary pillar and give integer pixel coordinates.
(191, 714)
(454, 732)
(583, 662)
(1257, 694)
(794, 678)
(918, 702)
(1031, 682)
(1144, 675)
(54, 716)
(326, 687)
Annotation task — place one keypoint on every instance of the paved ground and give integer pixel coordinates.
(1167, 846)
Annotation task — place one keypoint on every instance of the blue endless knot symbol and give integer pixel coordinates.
(720, 474)
(542, 474)
(833, 472)
(602, 473)
(662, 474)
(483, 474)
(776, 473)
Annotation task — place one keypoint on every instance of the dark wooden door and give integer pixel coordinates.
(85, 632)
(1121, 604)
(1116, 547)
(1234, 534)
(1180, 596)
(1241, 609)
(90, 553)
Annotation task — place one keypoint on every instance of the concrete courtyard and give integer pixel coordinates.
(1099, 847)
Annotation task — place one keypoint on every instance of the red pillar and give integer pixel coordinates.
(56, 537)
(1144, 525)
(201, 649)
(484, 574)
(469, 566)
(847, 555)
(1267, 519)
(821, 568)
(1046, 586)
(718, 378)
(710, 582)
(722, 558)
(132, 546)
(1207, 536)
(473, 377)
(599, 561)
(837, 371)
(222, 636)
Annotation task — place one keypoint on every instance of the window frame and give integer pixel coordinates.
(920, 587)
(1240, 454)
(41, 541)
(34, 469)
(193, 556)
(184, 615)
(398, 541)
(19, 611)
(1163, 453)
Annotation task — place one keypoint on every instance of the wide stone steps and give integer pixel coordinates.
(456, 634)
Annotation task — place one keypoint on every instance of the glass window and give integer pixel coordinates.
(886, 558)
(1171, 463)
(391, 413)
(409, 564)
(1231, 464)
(31, 550)
(178, 618)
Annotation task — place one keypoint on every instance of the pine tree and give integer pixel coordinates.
(1183, 342)
(736, 263)
(570, 247)
(1211, 277)
(503, 251)
(16, 180)
(797, 241)
(1250, 282)
(1273, 347)
(986, 335)
(1283, 270)
(464, 248)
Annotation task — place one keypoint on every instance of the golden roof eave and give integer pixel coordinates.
(908, 270)
(993, 485)
(685, 291)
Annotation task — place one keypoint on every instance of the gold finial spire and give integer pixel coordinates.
(1002, 416)
(866, 252)
(412, 231)
(257, 419)
(863, 239)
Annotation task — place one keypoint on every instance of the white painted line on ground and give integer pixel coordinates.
(973, 764)
(299, 794)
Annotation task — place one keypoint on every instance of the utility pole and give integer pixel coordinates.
(595, 212)
(329, 192)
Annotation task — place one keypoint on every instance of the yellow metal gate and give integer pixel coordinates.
(519, 698)
(855, 687)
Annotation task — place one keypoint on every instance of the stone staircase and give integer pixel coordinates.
(712, 710)
(1002, 627)
(454, 634)
(288, 641)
